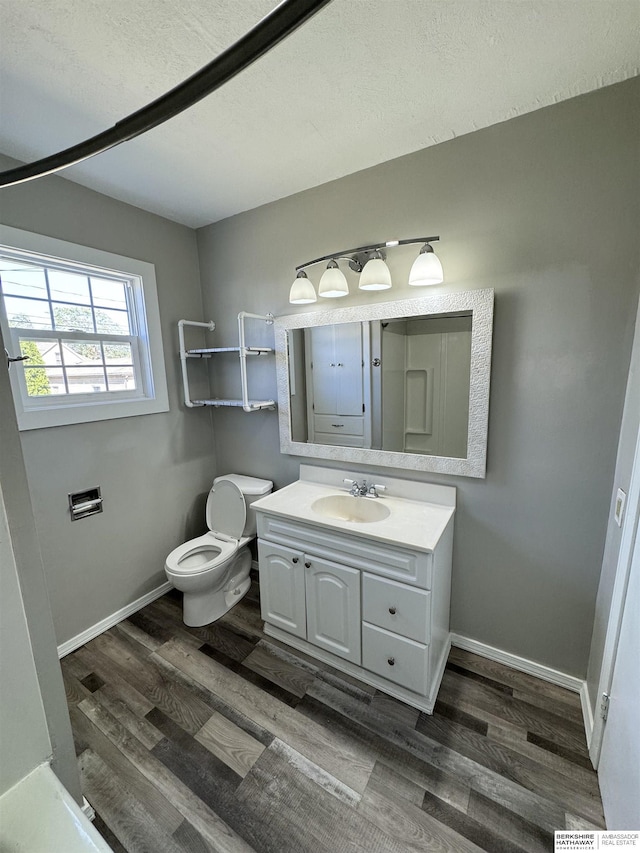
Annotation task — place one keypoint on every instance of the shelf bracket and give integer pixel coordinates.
(246, 404)
(184, 355)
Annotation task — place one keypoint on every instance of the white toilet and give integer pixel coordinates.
(213, 570)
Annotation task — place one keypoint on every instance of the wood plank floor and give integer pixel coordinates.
(221, 739)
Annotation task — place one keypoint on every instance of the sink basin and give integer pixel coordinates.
(348, 508)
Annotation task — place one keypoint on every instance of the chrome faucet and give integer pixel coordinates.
(364, 490)
(357, 489)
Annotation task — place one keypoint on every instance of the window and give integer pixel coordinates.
(87, 324)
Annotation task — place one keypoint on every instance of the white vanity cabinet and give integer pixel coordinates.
(376, 610)
(308, 596)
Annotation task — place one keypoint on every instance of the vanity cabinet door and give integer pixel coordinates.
(282, 587)
(333, 608)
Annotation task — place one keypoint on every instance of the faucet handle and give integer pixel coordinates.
(375, 489)
(354, 487)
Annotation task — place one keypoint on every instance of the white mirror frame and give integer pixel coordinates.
(479, 302)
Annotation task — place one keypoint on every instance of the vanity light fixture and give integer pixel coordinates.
(426, 268)
(333, 282)
(375, 274)
(302, 291)
(369, 262)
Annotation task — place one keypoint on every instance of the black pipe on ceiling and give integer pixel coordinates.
(272, 29)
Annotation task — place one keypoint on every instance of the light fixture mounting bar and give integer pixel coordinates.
(348, 254)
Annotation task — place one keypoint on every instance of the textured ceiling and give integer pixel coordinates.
(363, 82)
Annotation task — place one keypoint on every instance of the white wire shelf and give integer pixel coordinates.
(206, 352)
(253, 404)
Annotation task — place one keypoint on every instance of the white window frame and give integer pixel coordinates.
(151, 394)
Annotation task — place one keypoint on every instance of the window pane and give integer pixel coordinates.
(115, 354)
(121, 378)
(44, 381)
(86, 379)
(108, 293)
(20, 279)
(40, 352)
(72, 318)
(112, 322)
(27, 313)
(82, 353)
(69, 287)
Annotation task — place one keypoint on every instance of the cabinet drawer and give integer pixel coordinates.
(398, 608)
(339, 440)
(396, 658)
(339, 424)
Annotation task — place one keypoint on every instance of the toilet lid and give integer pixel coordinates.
(226, 509)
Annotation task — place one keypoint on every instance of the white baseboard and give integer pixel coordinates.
(104, 625)
(530, 667)
(546, 673)
(587, 713)
(100, 627)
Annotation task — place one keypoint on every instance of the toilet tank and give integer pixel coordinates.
(252, 488)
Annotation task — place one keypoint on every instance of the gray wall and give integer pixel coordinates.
(153, 470)
(544, 209)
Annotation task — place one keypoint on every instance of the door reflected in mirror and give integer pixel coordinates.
(397, 385)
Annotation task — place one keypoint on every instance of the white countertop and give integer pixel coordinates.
(413, 523)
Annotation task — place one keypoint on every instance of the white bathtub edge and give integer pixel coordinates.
(60, 818)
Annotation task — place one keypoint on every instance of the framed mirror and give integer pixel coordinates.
(403, 384)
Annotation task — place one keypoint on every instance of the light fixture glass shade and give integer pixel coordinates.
(426, 269)
(375, 275)
(302, 291)
(333, 282)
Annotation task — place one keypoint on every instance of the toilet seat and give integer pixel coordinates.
(227, 509)
(201, 554)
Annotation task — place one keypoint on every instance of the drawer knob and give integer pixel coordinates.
(392, 611)
(391, 661)
(294, 560)
(308, 565)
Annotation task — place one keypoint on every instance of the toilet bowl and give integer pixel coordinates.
(212, 571)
